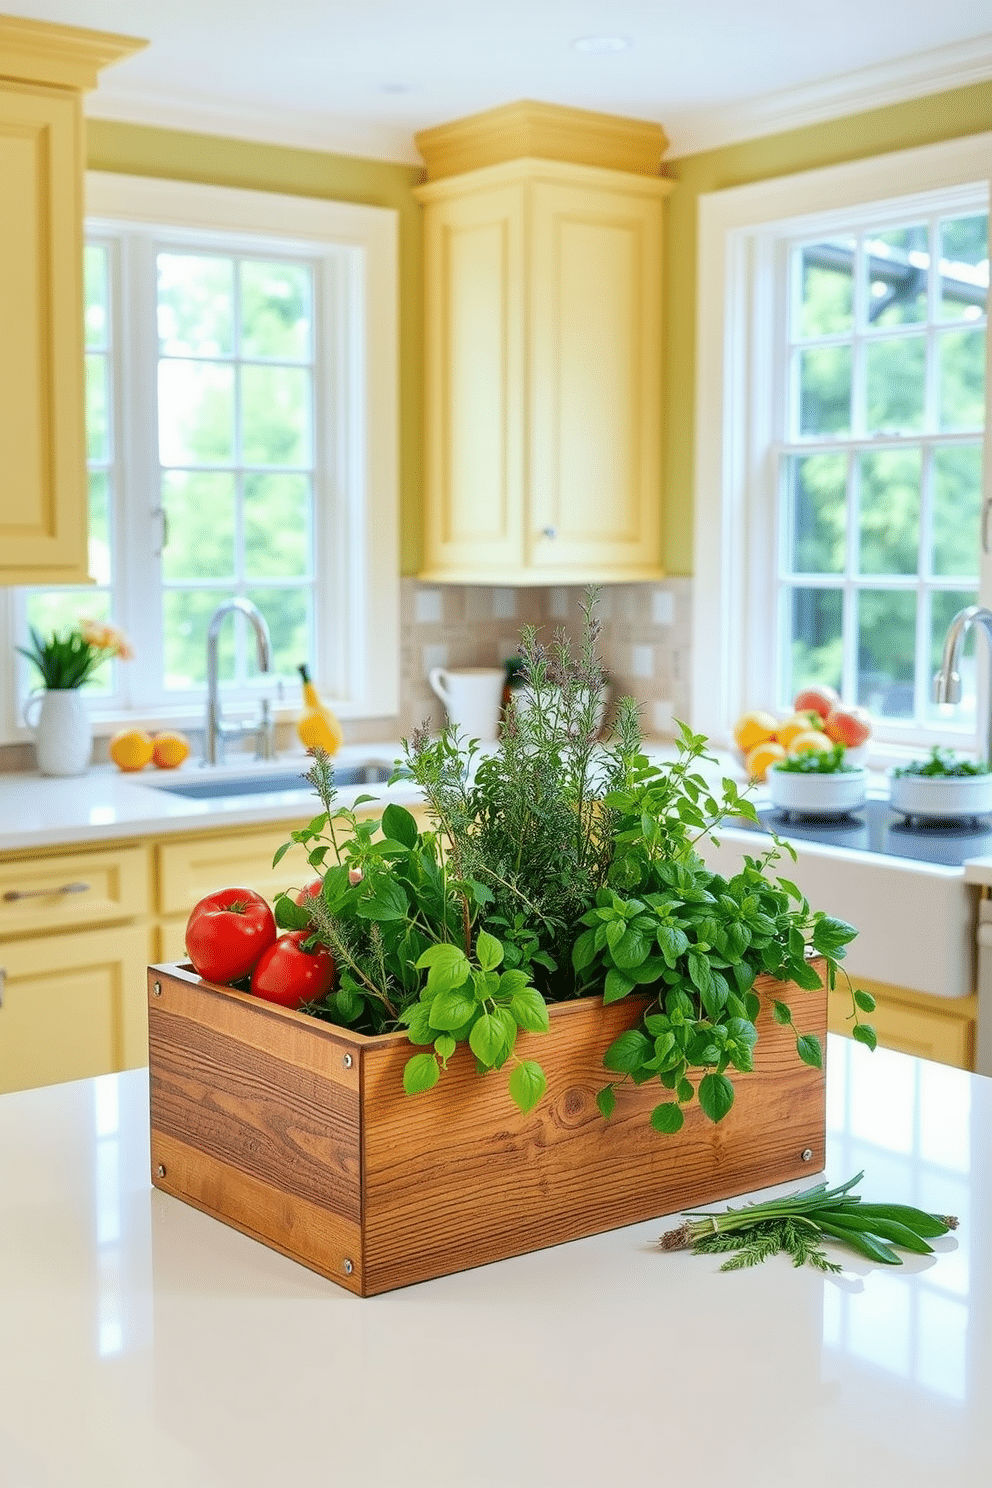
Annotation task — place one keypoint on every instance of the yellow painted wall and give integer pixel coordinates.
(897, 127)
(141, 151)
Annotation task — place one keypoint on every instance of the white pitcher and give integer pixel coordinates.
(63, 734)
(472, 697)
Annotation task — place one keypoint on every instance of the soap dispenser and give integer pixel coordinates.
(317, 727)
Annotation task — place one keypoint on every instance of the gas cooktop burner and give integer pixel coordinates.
(877, 828)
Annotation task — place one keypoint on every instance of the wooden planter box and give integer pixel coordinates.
(299, 1134)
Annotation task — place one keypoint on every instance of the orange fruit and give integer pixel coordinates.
(799, 723)
(169, 750)
(753, 728)
(131, 749)
(758, 759)
(810, 741)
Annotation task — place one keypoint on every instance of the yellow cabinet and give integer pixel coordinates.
(938, 1028)
(74, 942)
(44, 70)
(73, 1005)
(543, 340)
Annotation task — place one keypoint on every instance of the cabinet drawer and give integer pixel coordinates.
(202, 865)
(73, 889)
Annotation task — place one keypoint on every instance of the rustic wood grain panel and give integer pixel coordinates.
(304, 1231)
(266, 1116)
(473, 1180)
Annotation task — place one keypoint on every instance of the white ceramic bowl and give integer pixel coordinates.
(941, 795)
(818, 795)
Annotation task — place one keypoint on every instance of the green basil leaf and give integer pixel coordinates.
(865, 1001)
(716, 1096)
(530, 1011)
(450, 1009)
(387, 901)
(487, 1038)
(809, 1051)
(616, 986)
(865, 1034)
(606, 1100)
(527, 1084)
(420, 1073)
(668, 1117)
(628, 1051)
(488, 951)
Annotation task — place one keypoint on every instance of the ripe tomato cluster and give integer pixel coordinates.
(232, 935)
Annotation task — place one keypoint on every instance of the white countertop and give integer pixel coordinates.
(41, 810)
(148, 1346)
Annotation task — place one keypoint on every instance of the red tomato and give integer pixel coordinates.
(290, 975)
(311, 891)
(227, 933)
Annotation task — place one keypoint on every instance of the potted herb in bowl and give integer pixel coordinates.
(818, 782)
(941, 785)
(548, 1017)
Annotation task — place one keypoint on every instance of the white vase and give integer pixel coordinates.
(63, 734)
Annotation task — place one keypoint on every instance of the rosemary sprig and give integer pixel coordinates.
(799, 1224)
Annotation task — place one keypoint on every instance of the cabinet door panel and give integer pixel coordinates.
(43, 530)
(596, 319)
(474, 375)
(74, 1005)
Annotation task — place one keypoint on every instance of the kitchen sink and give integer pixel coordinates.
(369, 772)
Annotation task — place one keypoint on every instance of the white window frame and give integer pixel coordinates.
(356, 517)
(740, 233)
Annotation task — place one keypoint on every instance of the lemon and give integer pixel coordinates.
(758, 759)
(131, 749)
(799, 723)
(169, 750)
(806, 743)
(753, 728)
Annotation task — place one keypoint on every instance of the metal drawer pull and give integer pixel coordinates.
(73, 888)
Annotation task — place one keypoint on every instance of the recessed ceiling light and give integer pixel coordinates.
(601, 44)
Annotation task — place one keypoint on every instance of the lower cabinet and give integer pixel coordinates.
(938, 1028)
(73, 1005)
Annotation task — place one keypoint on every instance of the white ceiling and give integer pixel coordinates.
(362, 76)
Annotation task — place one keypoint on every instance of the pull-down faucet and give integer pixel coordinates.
(947, 682)
(216, 730)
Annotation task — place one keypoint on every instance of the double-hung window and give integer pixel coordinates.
(241, 423)
(841, 411)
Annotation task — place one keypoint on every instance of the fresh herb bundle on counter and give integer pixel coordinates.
(800, 1223)
(831, 761)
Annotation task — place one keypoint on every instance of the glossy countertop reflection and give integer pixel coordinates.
(148, 1346)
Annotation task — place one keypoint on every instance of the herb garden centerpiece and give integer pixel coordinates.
(613, 1030)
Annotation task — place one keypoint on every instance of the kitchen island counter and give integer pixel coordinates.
(147, 1346)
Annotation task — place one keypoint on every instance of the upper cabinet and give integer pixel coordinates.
(44, 71)
(543, 246)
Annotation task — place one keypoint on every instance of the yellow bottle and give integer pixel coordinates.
(317, 727)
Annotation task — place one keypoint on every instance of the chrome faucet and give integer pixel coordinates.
(947, 682)
(216, 730)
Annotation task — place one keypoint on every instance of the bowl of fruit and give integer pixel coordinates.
(811, 760)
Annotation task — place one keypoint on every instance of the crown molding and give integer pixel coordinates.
(904, 78)
(257, 121)
(544, 131)
(59, 56)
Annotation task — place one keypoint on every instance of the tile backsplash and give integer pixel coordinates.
(645, 644)
(645, 641)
